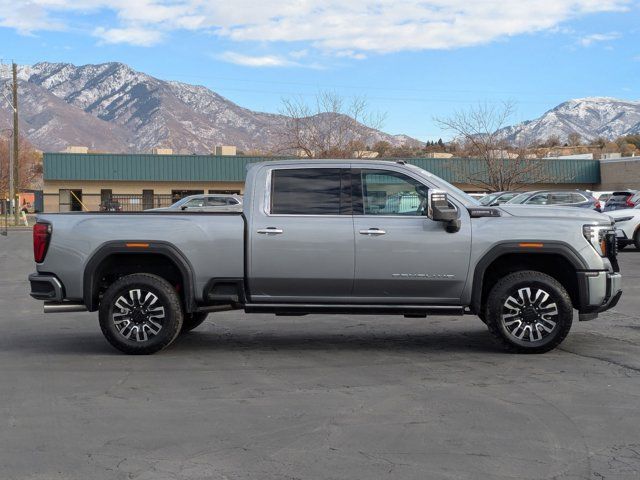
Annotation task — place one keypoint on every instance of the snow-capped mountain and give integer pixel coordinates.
(591, 118)
(114, 108)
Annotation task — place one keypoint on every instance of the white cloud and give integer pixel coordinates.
(333, 26)
(133, 36)
(256, 61)
(589, 40)
(299, 53)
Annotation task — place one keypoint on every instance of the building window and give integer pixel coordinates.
(70, 200)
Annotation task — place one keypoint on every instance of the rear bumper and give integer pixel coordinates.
(46, 287)
(599, 291)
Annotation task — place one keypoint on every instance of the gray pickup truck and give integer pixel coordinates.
(349, 237)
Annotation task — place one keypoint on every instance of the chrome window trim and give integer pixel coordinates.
(266, 208)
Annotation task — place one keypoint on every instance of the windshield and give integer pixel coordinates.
(519, 198)
(180, 202)
(488, 200)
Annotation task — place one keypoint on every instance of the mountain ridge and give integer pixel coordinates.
(589, 117)
(112, 107)
(134, 112)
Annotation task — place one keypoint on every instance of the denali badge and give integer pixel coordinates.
(423, 275)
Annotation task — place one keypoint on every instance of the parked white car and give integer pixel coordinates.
(627, 223)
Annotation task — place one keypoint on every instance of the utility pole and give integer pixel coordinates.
(16, 161)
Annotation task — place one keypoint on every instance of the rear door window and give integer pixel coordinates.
(559, 198)
(310, 191)
(216, 202)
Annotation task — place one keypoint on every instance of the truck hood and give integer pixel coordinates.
(570, 213)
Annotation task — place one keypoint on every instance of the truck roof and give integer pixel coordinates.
(311, 161)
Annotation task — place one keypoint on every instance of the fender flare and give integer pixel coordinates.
(504, 248)
(154, 247)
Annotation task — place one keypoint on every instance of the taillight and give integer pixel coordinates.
(597, 205)
(41, 237)
(629, 201)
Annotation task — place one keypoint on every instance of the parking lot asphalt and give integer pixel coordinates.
(314, 397)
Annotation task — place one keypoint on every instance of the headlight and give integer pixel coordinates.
(596, 236)
(622, 219)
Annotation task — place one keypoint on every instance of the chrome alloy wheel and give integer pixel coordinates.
(529, 316)
(139, 317)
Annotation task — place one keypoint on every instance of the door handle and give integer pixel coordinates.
(270, 231)
(373, 232)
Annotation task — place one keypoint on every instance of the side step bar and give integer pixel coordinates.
(63, 307)
(302, 309)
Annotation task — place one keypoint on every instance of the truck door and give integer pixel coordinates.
(401, 255)
(301, 241)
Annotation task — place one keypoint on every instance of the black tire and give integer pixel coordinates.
(136, 323)
(527, 325)
(636, 239)
(193, 320)
(621, 245)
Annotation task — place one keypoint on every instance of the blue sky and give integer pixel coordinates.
(413, 60)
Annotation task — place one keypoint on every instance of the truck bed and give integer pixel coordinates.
(209, 241)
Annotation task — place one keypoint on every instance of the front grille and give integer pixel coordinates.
(612, 249)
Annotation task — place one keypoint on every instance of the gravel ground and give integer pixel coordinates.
(315, 397)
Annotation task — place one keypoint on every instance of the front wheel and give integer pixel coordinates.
(140, 314)
(529, 312)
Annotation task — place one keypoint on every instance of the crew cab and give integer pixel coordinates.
(331, 236)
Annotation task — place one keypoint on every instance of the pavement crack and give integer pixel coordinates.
(605, 360)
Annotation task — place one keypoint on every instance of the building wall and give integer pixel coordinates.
(620, 174)
(91, 189)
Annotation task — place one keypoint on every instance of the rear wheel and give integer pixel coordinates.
(636, 239)
(140, 314)
(529, 312)
(193, 320)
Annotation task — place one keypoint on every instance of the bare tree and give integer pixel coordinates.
(30, 165)
(500, 165)
(574, 139)
(330, 127)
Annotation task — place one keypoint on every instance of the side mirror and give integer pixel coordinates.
(184, 207)
(439, 210)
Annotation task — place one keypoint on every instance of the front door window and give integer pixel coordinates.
(392, 193)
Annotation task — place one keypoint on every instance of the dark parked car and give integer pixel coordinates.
(567, 198)
(622, 199)
(497, 198)
(110, 206)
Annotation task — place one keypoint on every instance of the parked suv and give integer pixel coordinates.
(564, 198)
(205, 203)
(622, 199)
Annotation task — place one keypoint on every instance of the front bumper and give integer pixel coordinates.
(599, 291)
(46, 287)
(621, 236)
